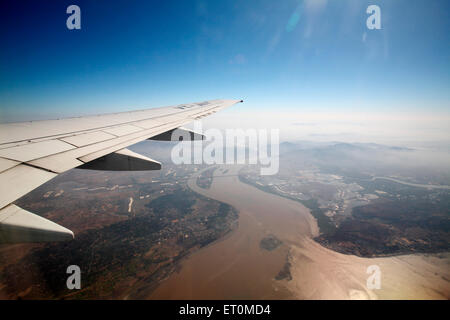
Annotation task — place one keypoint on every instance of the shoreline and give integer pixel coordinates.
(317, 272)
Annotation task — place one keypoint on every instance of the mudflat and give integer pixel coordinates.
(237, 267)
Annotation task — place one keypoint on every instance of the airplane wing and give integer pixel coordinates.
(32, 153)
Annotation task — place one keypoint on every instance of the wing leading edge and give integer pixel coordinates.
(32, 153)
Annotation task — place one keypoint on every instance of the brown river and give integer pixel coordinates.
(236, 267)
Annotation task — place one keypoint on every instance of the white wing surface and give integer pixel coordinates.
(32, 153)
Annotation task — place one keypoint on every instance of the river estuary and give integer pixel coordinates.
(236, 267)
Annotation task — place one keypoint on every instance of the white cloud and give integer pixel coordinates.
(378, 127)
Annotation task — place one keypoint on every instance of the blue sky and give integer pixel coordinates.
(306, 56)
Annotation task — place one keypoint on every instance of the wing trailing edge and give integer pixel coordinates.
(19, 225)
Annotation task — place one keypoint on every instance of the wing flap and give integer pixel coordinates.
(122, 130)
(19, 180)
(122, 142)
(35, 150)
(6, 164)
(84, 139)
(19, 225)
